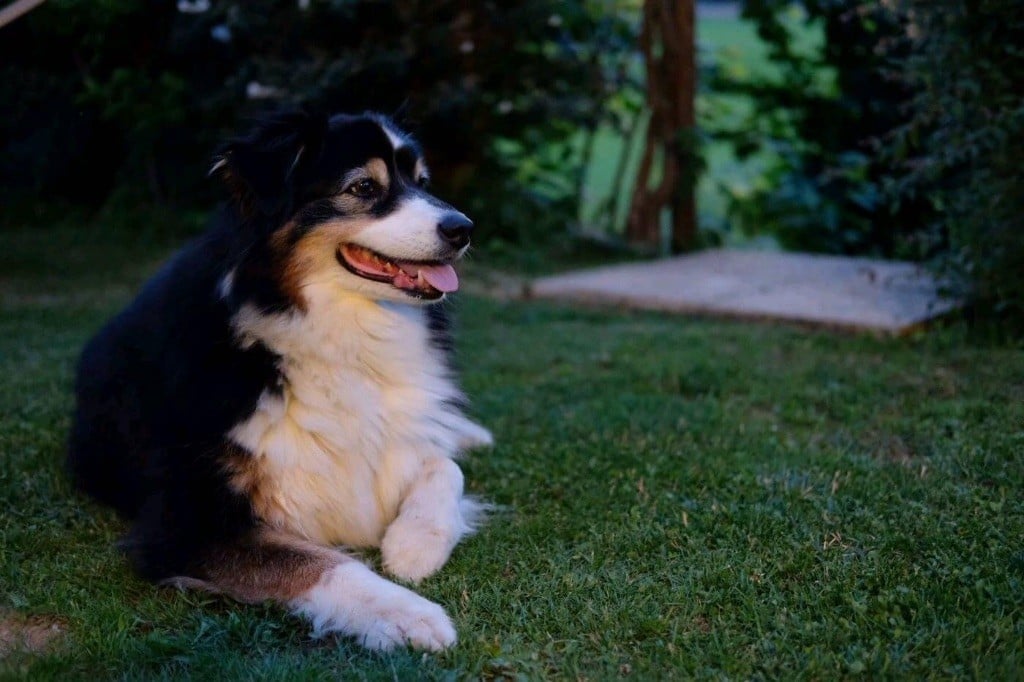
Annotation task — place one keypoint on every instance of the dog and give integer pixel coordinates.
(282, 388)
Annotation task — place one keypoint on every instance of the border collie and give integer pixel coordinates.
(281, 388)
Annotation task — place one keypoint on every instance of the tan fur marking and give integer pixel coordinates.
(289, 274)
(247, 477)
(378, 170)
(268, 565)
(313, 257)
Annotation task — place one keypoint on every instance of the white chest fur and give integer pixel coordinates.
(366, 400)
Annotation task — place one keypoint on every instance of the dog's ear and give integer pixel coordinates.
(263, 169)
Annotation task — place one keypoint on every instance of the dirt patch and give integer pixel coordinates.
(28, 634)
(892, 448)
(701, 623)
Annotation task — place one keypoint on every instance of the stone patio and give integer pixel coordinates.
(857, 294)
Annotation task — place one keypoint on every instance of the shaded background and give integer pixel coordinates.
(841, 126)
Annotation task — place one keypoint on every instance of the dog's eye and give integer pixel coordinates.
(364, 189)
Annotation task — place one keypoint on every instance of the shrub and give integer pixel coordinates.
(130, 96)
(967, 68)
(822, 115)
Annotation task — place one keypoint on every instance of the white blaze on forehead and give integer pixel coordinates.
(396, 138)
(400, 141)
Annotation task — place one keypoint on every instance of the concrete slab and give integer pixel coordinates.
(889, 297)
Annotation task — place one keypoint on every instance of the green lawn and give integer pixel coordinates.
(684, 497)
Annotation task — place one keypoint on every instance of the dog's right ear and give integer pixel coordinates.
(263, 169)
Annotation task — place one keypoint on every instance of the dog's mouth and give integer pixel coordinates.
(421, 279)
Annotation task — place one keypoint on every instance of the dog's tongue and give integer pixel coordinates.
(441, 277)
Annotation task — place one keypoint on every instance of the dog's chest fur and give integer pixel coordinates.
(366, 398)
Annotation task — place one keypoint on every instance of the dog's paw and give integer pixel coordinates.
(410, 621)
(413, 549)
(353, 600)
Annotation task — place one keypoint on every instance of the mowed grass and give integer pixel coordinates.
(683, 498)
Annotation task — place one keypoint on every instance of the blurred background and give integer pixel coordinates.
(571, 130)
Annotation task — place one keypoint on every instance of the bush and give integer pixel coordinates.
(128, 97)
(967, 68)
(821, 116)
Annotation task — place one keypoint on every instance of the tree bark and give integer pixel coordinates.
(667, 43)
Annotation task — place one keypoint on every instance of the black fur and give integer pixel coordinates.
(162, 383)
(156, 391)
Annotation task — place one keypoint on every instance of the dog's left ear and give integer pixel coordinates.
(263, 169)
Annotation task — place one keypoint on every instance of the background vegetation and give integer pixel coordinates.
(122, 101)
(961, 147)
(842, 126)
(821, 113)
(891, 139)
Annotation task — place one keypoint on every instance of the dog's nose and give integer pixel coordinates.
(455, 228)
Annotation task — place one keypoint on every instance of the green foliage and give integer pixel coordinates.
(822, 115)
(133, 95)
(963, 145)
(911, 151)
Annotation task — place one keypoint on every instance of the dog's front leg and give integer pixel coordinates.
(433, 517)
(334, 590)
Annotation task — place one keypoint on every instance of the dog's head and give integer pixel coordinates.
(343, 202)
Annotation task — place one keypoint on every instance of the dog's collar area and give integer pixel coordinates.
(427, 280)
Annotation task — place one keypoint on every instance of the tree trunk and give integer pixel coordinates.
(667, 43)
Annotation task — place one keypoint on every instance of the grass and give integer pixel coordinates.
(685, 498)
